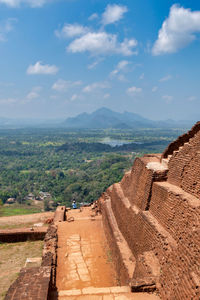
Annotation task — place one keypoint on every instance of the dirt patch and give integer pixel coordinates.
(24, 220)
(13, 258)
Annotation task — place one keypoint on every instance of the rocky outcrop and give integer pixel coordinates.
(151, 219)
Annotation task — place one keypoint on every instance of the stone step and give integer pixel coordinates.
(192, 201)
(105, 293)
(95, 291)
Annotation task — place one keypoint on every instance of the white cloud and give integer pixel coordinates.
(134, 90)
(167, 98)
(34, 93)
(40, 68)
(63, 85)
(121, 66)
(177, 31)
(102, 43)
(106, 96)
(113, 13)
(93, 17)
(71, 30)
(74, 97)
(166, 78)
(95, 63)
(95, 86)
(154, 89)
(122, 78)
(6, 27)
(17, 3)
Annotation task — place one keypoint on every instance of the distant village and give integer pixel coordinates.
(42, 197)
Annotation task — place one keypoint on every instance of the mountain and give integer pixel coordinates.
(106, 118)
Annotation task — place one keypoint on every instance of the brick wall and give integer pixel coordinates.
(181, 140)
(184, 167)
(137, 187)
(22, 235)
(158, 215)
(31, 283)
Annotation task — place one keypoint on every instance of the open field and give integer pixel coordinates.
(11, 210)
(24, 220)
(13, 257)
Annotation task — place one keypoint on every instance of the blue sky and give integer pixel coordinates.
(59, 58)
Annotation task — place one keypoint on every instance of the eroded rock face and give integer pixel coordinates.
(156, 209)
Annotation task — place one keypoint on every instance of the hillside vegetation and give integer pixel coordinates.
(70, 165)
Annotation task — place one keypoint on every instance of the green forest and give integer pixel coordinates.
(70, 165)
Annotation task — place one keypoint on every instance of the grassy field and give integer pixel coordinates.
(14, 210)
(13, 257)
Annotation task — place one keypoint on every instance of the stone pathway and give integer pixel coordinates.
(85, 270)
(77, 250)
(108, 293)
(84, 259)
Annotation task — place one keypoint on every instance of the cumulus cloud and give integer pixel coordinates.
(34, 93)
(166, 78)
(93, 17)
(98, 42)
(95, 86)
(63, 85)
(102, 43)
(40, 68)
(6, 27)
(133, 90)
(17, 3)
(177, 31)
(113, 13)
(121, 66)
(71, 30)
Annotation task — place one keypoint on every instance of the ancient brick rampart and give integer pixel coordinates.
(31, 283)
(22, 234)
(156, 207)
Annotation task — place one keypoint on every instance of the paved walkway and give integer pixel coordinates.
(84, 259)
(85, 269)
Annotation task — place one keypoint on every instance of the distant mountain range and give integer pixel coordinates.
(100, 119)
(105, 118)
